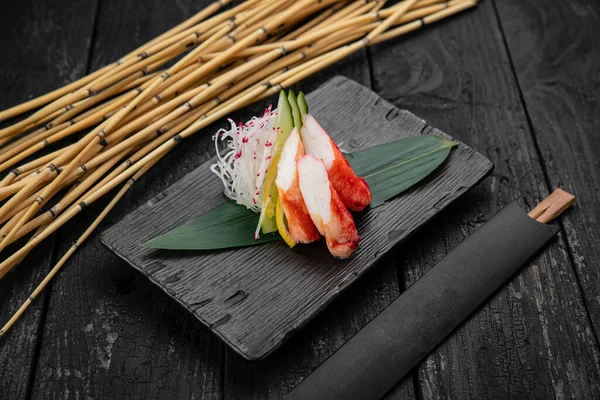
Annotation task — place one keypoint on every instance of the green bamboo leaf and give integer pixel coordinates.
(392, 168)
(389, 169)
(225, 226)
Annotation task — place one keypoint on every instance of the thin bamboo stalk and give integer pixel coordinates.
(257, 16)
(94, 87)
(41, 100)
(158, 50)
(290, 21)
(76, 112)
(207, 28)
(30, 239)
(7, 180)
(251, 39)
(194, 20)
(35, 195)
(389, 21)
(369, 6)
(445, 13)
(9, 263)
(139, 53)
(57, 133)
(11, 223)
(79, 147)
(329, 26)
(21, 190)
(68, 199)
(18, 212)
(72, 250)
(48, 97)
(43, 122)
(91, 140)
(206, 93)
(353, 33)
(62, 134)
(30, 144)
(427, 3)
(57, 209)
(25, 170)
(324, 16)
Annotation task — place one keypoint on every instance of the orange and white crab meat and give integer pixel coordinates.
(352, 189)
(300, 225)
(329, 214)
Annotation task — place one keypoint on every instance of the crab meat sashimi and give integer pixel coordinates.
(352, 189)
(300, 225)
(329, 214)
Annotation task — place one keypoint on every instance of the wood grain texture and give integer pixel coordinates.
(245, 295)
(45, 46)
(533, 339)
(555, 56)
(109, 333)
(454, 74)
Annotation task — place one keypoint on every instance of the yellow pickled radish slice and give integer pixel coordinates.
(270, 189)
(281, 225)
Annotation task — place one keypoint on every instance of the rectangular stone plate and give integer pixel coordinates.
(254, 298)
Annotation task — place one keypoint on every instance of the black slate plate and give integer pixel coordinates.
(256, 297)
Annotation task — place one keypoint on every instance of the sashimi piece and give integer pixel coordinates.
(329, 214)
(299, 223)
(352, 189)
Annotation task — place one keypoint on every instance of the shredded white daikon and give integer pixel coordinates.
(246, 158)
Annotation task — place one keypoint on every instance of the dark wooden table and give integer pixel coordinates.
(517, 80)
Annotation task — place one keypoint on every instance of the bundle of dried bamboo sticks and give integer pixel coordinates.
(138, 110)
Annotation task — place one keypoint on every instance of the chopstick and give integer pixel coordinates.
(552, 206)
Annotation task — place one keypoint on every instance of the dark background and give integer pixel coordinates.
(515, 79)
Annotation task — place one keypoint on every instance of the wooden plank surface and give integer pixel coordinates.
(45, 45)
(556, 59)
(441, 74)
(108, 332)
(533, 339)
